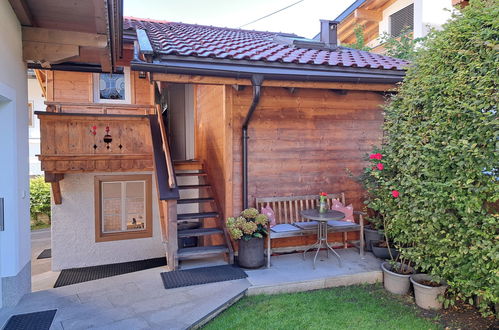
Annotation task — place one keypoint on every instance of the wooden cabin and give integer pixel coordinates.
(200, 122)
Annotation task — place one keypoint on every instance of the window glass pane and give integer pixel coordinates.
(112, 86)
(135, 205)
(111, 223)
(111, 206)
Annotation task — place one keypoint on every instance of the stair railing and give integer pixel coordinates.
(168, 193)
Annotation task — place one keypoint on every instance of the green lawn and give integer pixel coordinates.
(353, 307)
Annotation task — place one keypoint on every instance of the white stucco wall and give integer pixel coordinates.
(35, 95)
(15, 238)
(73, 229)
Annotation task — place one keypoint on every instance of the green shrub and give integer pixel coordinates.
(440, 152)
(39, 197)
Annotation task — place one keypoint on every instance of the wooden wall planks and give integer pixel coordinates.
(305, 142)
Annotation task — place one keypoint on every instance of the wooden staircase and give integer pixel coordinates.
(205, 223)
(205, 226)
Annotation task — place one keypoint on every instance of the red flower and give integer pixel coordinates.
(94, 127)
(395, 193)
(323, 194)
(380, 166)
(377, 156)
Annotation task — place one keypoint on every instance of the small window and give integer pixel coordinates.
(112, 87)
(402, 20)
(123, 207)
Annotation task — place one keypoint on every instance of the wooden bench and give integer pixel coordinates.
(287, 211)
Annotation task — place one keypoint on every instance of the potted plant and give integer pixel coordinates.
(249, 229)
(396, 274)
(428, 291)
(382, 250)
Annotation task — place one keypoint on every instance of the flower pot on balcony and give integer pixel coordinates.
(427, 291)
(251, 253)
(395, 282)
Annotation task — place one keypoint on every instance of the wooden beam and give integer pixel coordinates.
(47, 52)
(188, 79)
(22, 12)
(53, 177)
(368, 15)
(56, 193)
(202, 80)
(64, 37)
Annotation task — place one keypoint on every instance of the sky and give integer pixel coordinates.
(301, 19)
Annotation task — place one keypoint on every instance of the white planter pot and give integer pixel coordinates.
(394, 282)
(427, 296)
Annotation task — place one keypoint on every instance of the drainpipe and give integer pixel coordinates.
(256, 81)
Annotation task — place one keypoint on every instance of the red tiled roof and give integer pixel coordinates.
(169, 38)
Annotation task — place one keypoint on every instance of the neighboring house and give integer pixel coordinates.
(41, 32)
(118, 147)
(391, 17)
(36, 99)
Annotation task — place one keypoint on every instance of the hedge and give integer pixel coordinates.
(440, 153)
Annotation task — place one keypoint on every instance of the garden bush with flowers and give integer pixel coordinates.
(248, 225)
(434, 181)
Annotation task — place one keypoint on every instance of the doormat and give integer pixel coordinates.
(204, 275)
(47, 253)
(32, 321)
(85, 274)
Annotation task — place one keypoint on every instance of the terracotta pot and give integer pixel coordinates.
(251, 253)
(394, 282)
(427, 296)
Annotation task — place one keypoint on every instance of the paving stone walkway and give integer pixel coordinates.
(139, 300)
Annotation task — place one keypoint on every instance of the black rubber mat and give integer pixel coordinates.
(195, 276)
(47, 253)
(79, 275)
(32, 321)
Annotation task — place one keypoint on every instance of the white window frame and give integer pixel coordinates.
(128, 91)
(124, 210)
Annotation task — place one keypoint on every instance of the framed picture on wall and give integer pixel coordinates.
(30, 113)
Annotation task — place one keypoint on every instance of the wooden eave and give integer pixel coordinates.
(61, 31)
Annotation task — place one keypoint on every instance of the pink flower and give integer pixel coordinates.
(380, 166)
(395, 193)
(378, 156)
(372, 156)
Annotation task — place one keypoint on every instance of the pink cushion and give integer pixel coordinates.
(267, 210)
(348, 210)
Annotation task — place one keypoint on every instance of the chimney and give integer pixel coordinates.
(329, 33)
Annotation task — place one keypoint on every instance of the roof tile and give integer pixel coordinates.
(168, 38)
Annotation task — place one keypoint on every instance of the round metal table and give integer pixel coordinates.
(322, 219)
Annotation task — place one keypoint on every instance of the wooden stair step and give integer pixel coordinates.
(187, 165)
(201, 251)
(199, 232)
(201, 215)
(195, 200)
(191, 174)
(194, 186)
